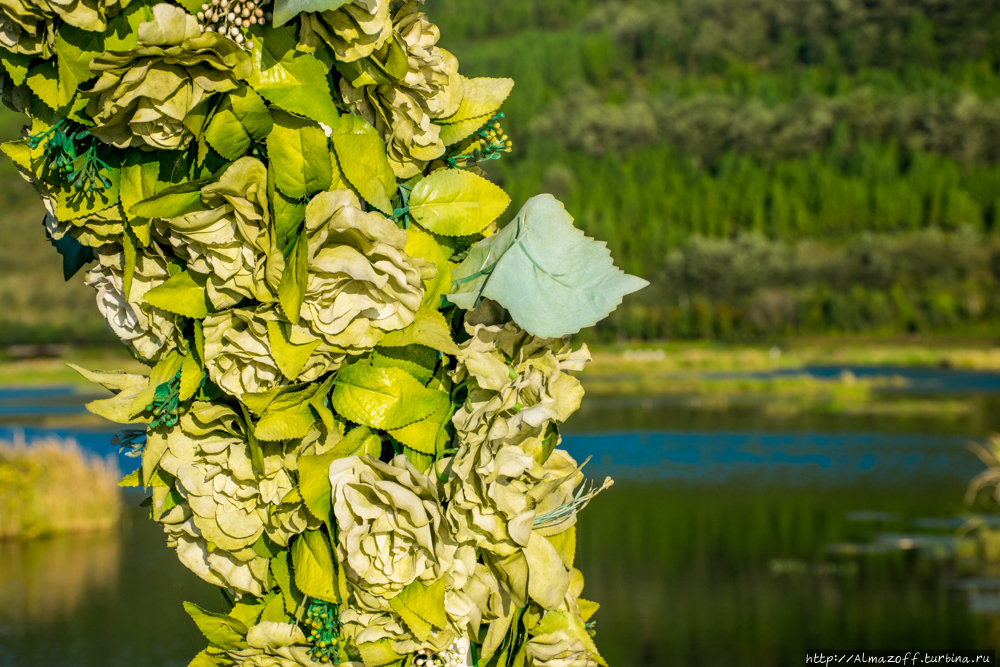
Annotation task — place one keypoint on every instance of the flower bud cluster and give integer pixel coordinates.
(231, 18)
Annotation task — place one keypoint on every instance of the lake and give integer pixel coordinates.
(732, 537)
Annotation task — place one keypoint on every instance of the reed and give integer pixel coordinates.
(53, 486)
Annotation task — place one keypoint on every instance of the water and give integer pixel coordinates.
(726, 541)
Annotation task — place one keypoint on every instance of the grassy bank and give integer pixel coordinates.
(53, 486)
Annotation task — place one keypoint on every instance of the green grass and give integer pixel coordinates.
(52, 486)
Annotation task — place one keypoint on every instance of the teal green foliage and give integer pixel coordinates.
(657, 122)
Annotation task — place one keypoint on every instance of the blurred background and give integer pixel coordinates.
(813, 189)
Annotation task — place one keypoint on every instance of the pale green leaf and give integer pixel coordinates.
(548, 579)
(251, 112)
(314, 484)
(140, 173)
(383, 398)
(428, 328)
(423, 245)
(129, 243)
(274, 610)
(481, 97)
(206, 659)
(218, 628)
(456, 132)
(292, 288)
(296, 81)
(283, 576)
(422, 607)
(358, 442)
(192, 373)
(300, 154)
(315, 573)
(378, 654)
(552, 278)
(422, 435)
(183, 294)
(172, 202)
(225, 133)
(453, 202)
(286, 10)
(419, 367)
(290, 357)
(130, 480)
(16, 65)
(363, 161)
(43, 79)
(287, 417)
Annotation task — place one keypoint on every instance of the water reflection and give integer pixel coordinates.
(41, 580)
(714, 548)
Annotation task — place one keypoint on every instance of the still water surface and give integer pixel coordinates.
(721, 543)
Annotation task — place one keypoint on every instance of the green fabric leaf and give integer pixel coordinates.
(423, 245)
(72, 203)
(417, 360)
(282, 572)
(183, 294)
(300, 154)
(225, 133)
(358, 442)
(287, 417)
(378, 654)
(291, 358)
(251, 111)
(315, 573)
(295, 81)
(422, 607)
(192, 373)
(130, 480)
(429, 328)
(274, 610)
(43, 80)
(129, 243)
(314, 484)
(383, 398)
(361, 155)
(421, 436)
(140, 172)
(172, 202)
(16, 65)
(452, 134)
(286, 10)
(292, 288)
(553, 279)
(548, 579)
(218, 628)
(206, 659)
(482, 97)
(248, 610)
(453, 202)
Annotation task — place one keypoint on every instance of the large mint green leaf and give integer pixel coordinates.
(312, 562)
(453, 202)
(295, 81)
(286, 10)
(184, 294)
(363, 161)
(299, 152)
(384, 398)
(551, 277)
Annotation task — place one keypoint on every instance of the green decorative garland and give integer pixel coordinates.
(351, 419)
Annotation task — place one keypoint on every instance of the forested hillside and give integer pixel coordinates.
(835, 162)
(793, 124)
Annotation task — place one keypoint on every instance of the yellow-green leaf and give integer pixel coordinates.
(315, 573)
(453, 202)
(363, 161)
(383, 398)
(290, 357)
(299, 151)
(428, 328)
(183, 294)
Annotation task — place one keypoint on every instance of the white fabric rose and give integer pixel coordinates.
(145, 329)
